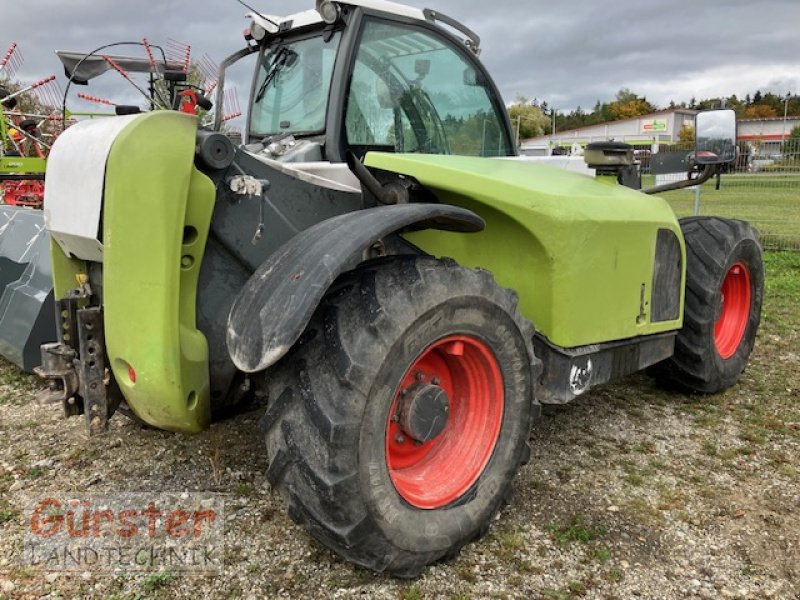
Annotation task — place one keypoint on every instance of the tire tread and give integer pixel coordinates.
(312, 458)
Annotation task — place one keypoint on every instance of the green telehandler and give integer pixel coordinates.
(379, 264)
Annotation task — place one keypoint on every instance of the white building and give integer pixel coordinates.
(767, 133)
(662, 126)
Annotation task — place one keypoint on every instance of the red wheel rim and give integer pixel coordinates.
(434, 473)
(735, 314)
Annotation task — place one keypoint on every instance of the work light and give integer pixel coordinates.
(257, 31)
(329, 11)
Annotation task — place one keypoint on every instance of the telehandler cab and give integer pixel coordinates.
(373, 260)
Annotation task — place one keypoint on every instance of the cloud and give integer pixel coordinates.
(568, 53)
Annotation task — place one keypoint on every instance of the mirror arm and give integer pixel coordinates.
(707, 173)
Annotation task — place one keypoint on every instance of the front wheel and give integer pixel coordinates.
(398, 421)
(722, 307)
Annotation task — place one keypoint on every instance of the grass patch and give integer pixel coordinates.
(671, 499)
(34, 472)
(577, 530)
(245, 489)
(614, 575)
(411, 593)
(634, 478)
(769, 202)
(512, 541)
(753, 436)
(155, 582)
(7, 514)
(646, 447)
(14, 384)
(601, 554)
(552, 594)
(710, 448)
(644, 511)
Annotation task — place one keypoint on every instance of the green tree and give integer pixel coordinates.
(759, 111)
(625, 95)
(530, 118)
(628, 105)
(686, 134)
(709, 104)
(791, 145)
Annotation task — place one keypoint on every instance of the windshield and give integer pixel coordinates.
(292, 86)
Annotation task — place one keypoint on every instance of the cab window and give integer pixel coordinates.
(294, 79)
(413, 91)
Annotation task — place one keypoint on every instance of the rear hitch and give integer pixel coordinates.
(76, 370)
(58, 369)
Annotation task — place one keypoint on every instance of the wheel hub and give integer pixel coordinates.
(734, 310)
(424, 409)
(444, 421)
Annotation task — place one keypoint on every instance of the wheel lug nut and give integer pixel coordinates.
(420, 376)
(400, 438)
(404, 392)
(435, 381)
(417, 443)
(395, 418)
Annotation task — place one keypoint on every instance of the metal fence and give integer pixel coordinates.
(762, 187)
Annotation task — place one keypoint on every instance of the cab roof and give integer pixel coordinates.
(311, 17)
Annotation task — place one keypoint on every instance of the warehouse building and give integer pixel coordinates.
(767, 134)
(661, 127)
(658, 127)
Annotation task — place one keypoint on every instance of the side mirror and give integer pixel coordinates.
(715, 131)
(422, 67)
(473, 78)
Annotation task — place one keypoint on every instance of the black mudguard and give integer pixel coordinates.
(277, 302)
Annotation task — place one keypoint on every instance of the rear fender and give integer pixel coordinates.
(277, 302)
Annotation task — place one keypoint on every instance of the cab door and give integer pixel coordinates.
(414, 89)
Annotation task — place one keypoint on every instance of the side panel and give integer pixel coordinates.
(73, 204)
(232, 253)
(157, 210)
(579, 253)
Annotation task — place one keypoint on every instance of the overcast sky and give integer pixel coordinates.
(568, 53)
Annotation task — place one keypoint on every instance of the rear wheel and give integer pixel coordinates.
(398, 421)
(724, 291)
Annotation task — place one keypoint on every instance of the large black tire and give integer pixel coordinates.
(328, 428)
(710, 352)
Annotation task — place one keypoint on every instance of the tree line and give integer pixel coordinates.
(535, 118)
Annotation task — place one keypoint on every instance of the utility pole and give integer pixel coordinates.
(785, 112)
(519, 122)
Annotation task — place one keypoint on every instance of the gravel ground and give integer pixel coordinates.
(631, 492)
